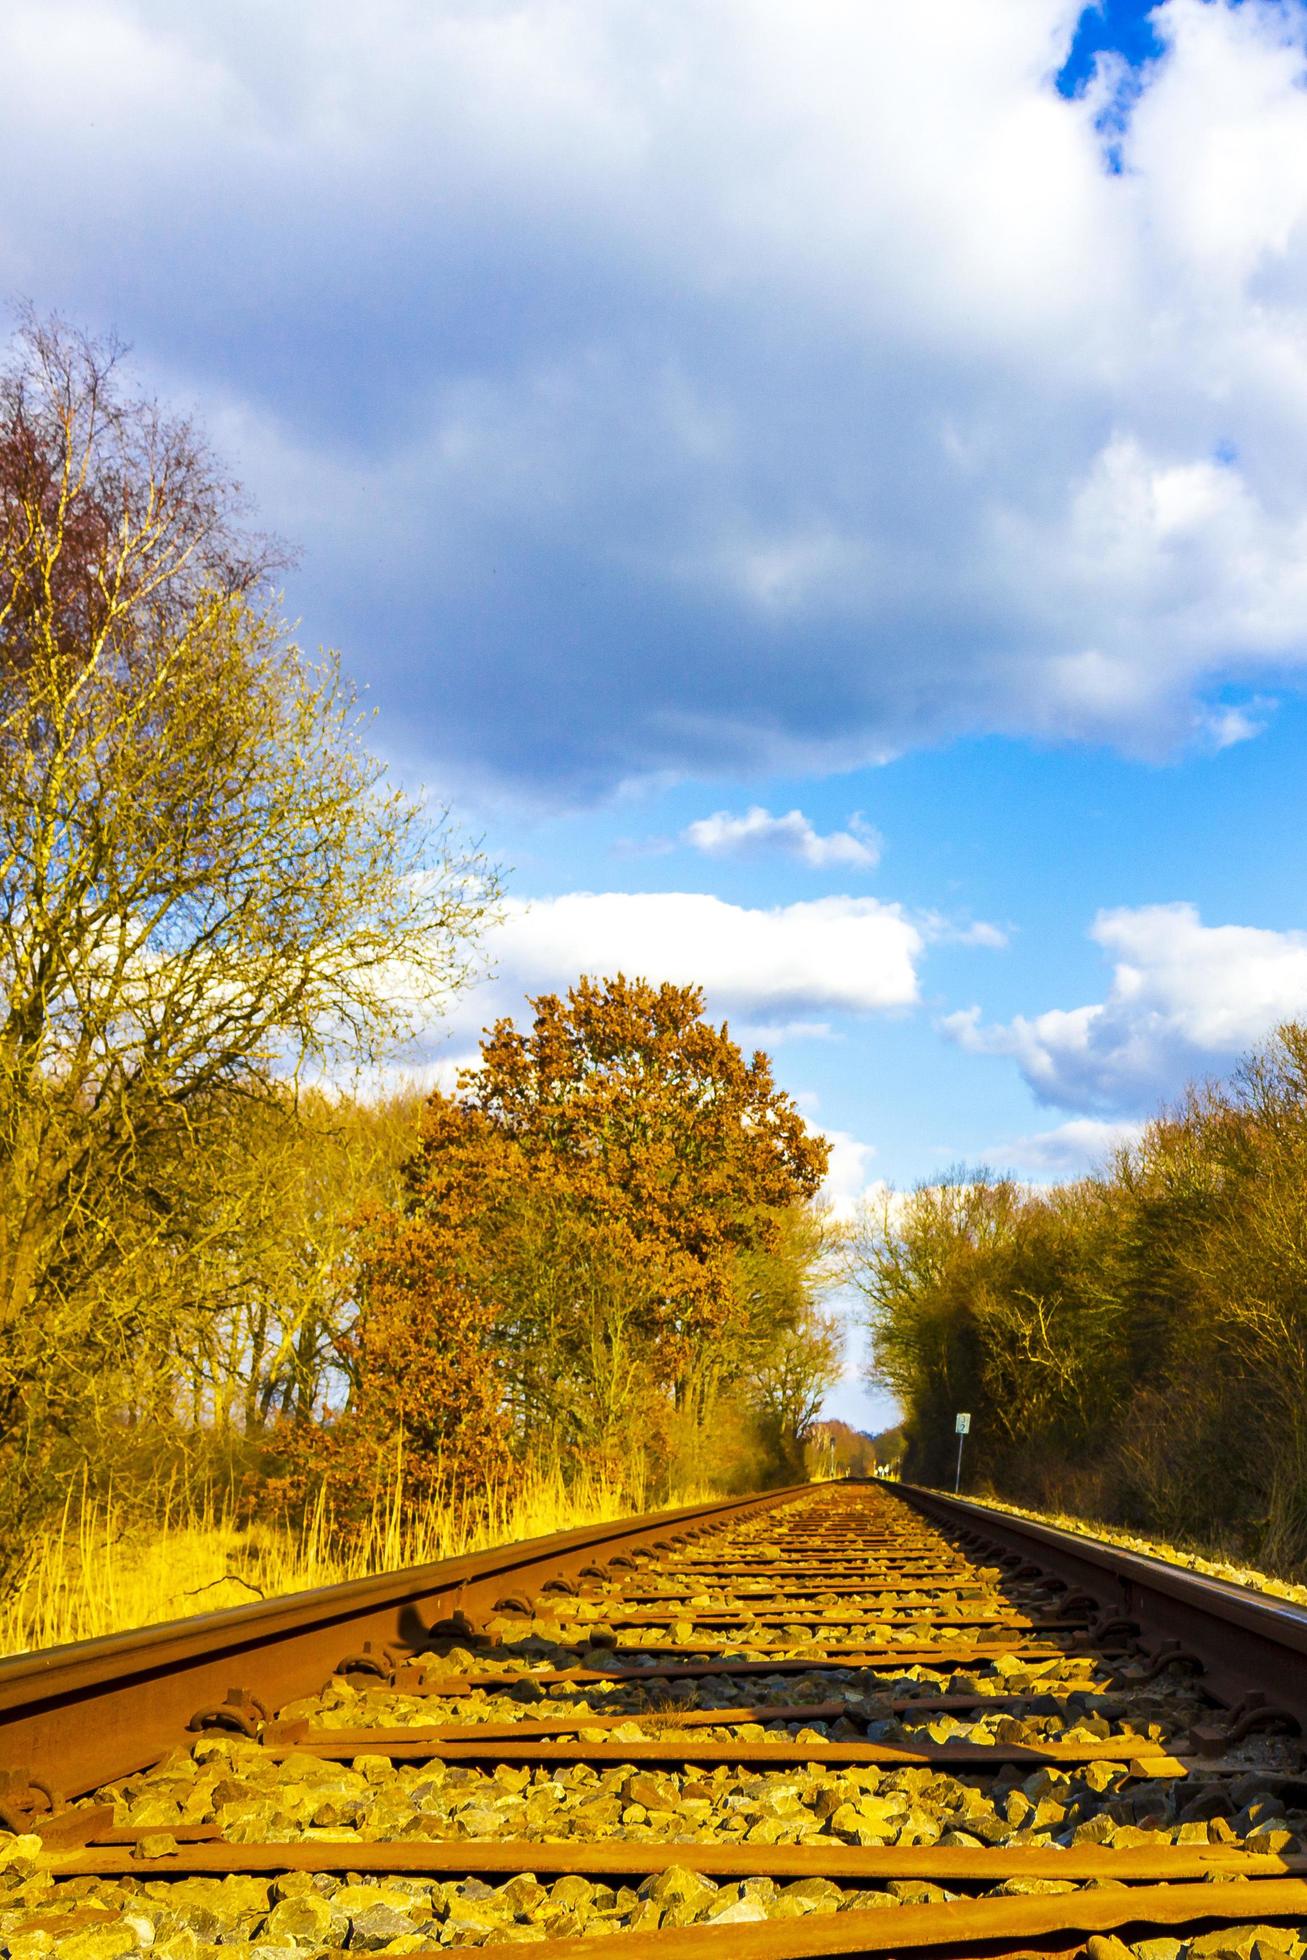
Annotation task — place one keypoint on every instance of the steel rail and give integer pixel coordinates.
(960, 1925)
(82, 1715)
(129, 1698)
(1249, 1642)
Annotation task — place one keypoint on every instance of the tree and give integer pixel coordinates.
(1132, 1344)
(921, 1262)
(616, 1186)
(265, 1285)
(206, 888)
(657, 1120)
(789, 1347)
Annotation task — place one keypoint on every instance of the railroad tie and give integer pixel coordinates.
(832, 1721)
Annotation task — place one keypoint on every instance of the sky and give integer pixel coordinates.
(822, 491)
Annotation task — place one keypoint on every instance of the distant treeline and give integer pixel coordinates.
(840, 1450)
(1133, 1346)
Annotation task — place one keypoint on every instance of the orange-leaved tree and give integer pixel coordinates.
(582, 1224)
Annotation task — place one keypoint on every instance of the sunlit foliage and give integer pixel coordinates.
(206, 888)
(1132, 1346)
(606, 1246)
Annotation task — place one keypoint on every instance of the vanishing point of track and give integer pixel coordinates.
(837, 1720)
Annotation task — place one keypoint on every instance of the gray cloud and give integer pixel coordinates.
(669, 389)
(757, 833)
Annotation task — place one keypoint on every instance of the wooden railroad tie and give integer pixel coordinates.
(115, 1852)
(1146, 1760)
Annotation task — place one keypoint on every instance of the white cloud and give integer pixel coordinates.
(848, 1181)
(797, 384)
(939, 929)
(981, 933)
(758, 833)
(775, 973)
(776, 1034)
(848, 955)
(1071, 1148)
(787, 962)
(1225, 727)
(1185, 1000)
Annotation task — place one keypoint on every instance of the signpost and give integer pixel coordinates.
(963, 1427)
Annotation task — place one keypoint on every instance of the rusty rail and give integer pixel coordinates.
(82, 1715)
(1248, 1642)
(856, 1588)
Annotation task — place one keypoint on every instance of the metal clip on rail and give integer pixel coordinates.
(24, 1798)
(1254, 1715)
(1170, 1654)
(459, 1628)
(517, 1604)
(240, 1713)
(370, 1658)
(1112, 1627)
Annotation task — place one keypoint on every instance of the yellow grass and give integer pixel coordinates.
(98, 1573)
(1211, 1567)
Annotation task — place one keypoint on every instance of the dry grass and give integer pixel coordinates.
(1130, 1541)
(98, 1571)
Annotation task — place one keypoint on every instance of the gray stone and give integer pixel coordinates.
(371, 1930)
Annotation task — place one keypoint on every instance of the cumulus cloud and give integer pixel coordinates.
(783, 963)
(1071, 1148)
(776, 973)
(848, 1182)
(662, 387)
(1185, 999)
(758, 833)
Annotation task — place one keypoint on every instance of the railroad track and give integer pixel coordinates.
(842, 1719)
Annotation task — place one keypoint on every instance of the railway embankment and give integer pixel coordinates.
(844, 1719)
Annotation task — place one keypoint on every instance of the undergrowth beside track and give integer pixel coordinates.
(98, 1570)
(1210, 1563)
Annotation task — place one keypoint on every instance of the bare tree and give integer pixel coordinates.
(206, 886)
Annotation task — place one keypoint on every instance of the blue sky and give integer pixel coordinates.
(823, 490)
